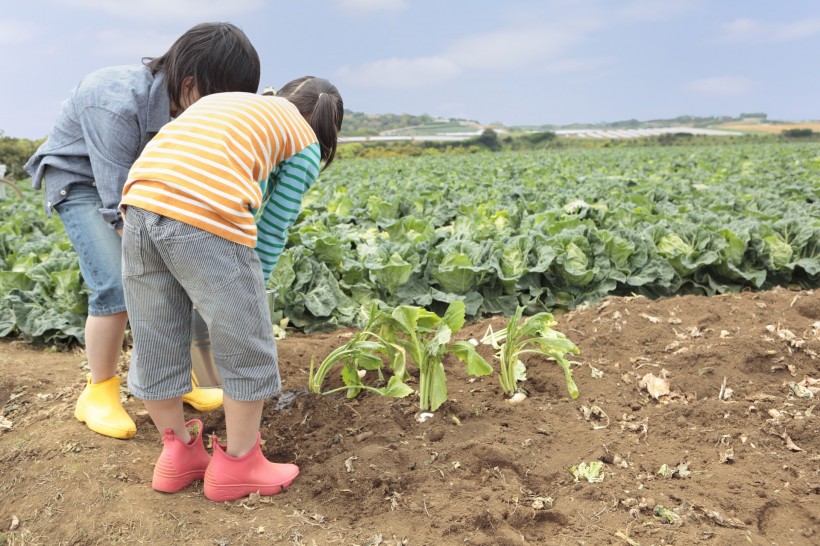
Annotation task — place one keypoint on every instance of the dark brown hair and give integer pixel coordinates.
(218, 56)
(320, 103)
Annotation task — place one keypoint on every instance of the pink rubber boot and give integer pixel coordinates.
(230, 478)
(180, 464)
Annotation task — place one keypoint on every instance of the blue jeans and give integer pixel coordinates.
(97, 245)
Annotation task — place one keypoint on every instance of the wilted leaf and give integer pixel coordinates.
(540, 503)
(595, 414)
(656, 386)
(667, 515)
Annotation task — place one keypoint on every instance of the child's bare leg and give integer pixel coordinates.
(168, 414)
(183, 459)
(103, 344)
(240, 468)
(242, 420)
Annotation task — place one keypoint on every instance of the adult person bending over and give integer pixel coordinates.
(100, 131)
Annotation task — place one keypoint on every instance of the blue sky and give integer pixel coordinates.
(513, 61)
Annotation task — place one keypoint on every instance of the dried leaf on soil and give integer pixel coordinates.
(656, 386)
(595, 415)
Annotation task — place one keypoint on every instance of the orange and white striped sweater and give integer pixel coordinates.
(230, 161)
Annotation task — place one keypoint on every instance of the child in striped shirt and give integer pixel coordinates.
(200, 228)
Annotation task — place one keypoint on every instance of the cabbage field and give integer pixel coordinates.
(638, 420)
(545, 230)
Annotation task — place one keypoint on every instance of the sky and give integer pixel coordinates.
(518, 62)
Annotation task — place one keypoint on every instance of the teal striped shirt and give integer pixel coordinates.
(282, 194)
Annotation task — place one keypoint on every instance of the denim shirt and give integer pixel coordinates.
(100, 131)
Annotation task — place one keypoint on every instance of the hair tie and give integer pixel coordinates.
(320, 95)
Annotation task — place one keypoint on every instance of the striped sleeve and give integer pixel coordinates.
(283, 191)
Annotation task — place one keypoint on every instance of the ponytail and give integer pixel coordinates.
(320, 103)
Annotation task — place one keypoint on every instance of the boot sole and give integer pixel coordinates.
(224, 493)
(102, 428)
(173, 483)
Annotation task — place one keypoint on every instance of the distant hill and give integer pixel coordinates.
(680, 121)
(359, 124)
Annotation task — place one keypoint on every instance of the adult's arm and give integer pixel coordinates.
(113, 143)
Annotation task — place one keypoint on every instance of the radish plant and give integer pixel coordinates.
(364, 352)
(427, 339)
(534, 336)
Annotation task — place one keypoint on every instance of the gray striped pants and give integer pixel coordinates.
(167, 266)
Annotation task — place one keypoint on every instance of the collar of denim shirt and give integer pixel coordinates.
(159, 104)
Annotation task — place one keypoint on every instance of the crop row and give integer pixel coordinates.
(542, 230)
(548, 230)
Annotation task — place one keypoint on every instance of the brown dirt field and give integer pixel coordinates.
(482, 471)
(770, 128)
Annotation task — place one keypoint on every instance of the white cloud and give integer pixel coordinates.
(189, 10)
(750, 30)
(722, 86)
(13, 32)
(656, 10)
(534, 47)
(371, 6)
(400, 73)
(513, 48)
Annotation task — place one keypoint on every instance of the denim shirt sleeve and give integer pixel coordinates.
(113, 144)
(102, 127)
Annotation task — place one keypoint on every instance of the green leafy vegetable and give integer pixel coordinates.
(534, 336)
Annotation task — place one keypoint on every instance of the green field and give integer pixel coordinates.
(546, 230)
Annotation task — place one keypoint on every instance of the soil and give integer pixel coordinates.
(741, 446)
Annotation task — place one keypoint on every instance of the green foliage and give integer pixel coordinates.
(405, 332)
(364, 351)
(427, 339)
(42, 297)
(797, 133)
(489, 140)
(534, 336)
(360, 124)
(542, 230)
(550, 230)
(15, 152)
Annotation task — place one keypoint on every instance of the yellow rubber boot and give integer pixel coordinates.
(100, 408)
(203, 399)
